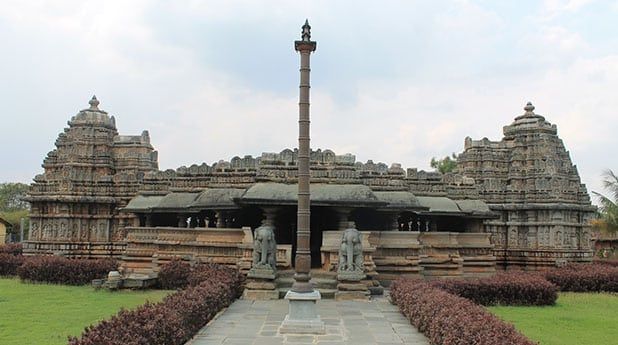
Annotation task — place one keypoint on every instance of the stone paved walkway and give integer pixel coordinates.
(347, 322)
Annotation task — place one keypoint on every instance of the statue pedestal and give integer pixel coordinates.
(261, 284)
(351, 286)
(302, 317)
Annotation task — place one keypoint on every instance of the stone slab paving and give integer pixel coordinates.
(347, 322)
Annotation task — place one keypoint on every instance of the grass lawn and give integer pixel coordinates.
(576, 319)
(46, 314)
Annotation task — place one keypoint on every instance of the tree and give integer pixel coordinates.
(608, 221)
(444, 165)
(11, 197)
(12, 206)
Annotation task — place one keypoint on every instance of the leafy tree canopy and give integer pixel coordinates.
(11, 195)
(444, 165)
(12, 207)
(608, 221)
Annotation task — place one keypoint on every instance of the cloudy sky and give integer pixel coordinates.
(392, 81)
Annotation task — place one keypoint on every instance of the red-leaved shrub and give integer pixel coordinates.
(506, 288)
(446, 319)
(11, 248)
(209, 271)
(174, 274)
(609, 262)
(585, 278)
(60, 270)
(9, 264)
(178, 274)
(172, 321)
(10, 258)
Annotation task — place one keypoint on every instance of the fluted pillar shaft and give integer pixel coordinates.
(303, 232)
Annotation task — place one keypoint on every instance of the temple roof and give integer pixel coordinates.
(143, 203)
(218, 198)
(438, 204)
(399, 199)
(177, 201)
(321, 194)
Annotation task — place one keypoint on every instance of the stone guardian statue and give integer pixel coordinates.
(264, 253)
(351, 265)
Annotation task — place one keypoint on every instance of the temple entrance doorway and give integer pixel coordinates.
(322, 219)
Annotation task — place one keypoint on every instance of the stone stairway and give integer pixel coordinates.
(324, 281)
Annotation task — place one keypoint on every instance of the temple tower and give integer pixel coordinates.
(528, 179)
(92, 173)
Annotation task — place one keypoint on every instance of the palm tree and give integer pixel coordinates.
(608, 222)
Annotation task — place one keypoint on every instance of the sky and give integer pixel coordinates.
(392, 81)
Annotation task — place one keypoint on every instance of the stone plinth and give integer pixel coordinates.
(261, 284)
(302, 317)
(351, 286)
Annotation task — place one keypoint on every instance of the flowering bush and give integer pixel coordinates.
(447, 319)
(172, 321)
(506, 288)
(60, 270)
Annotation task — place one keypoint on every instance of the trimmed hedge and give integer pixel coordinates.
(11, 248)
(172, 321)
(585, 278)
(447, 319)
(178, 274)
(10, 258)
(60, 270)
(174, 275)
(10, 263)
(507, 288)
(609, 262)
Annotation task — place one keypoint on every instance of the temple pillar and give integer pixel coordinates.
(343, 214)
(182, 221)
(220, 218)
(269, 215)
(202, 222)
(193, 222)
(148, 220)
(393, 220)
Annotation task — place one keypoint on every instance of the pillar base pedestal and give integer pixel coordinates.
(302, 316)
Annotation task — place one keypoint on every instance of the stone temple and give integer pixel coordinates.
(517, 203)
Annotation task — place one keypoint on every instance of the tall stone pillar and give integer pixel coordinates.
(343, 213)
(393, 220)
(302, 316)
(220, 219)
(269, 216)
(182, 221)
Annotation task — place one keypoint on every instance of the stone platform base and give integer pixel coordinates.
(302, 317)
(260, 295)
(352, 296)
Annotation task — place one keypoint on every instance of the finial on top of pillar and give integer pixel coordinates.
(94, 103)
(529, 108)
(305, 44)
(306, 33)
